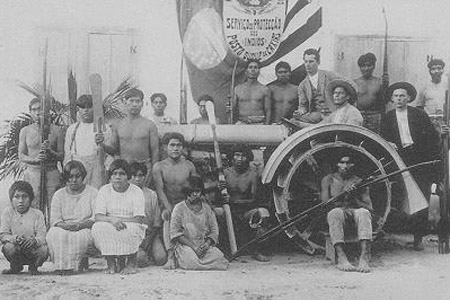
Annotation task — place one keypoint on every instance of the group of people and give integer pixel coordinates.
(123, 219)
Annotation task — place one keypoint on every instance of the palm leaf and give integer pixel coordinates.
(9, 147)
(112, 104)
(72, 91)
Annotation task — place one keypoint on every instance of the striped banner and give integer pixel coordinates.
(209, 57)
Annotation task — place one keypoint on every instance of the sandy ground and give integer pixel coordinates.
(398, 273)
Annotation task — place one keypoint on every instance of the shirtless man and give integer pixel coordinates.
(284, 93)
(251, 219)
(32, 152)
(135, 138)
(171, 174)
(355, 205)
(370, 93)
(253, 99)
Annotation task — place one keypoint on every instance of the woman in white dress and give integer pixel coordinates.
(119, 220)
(71, 219)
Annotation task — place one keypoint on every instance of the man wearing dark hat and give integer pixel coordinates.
(412, 134)
(201, 102)
(81, 141)
(432, 97)
(370, 97)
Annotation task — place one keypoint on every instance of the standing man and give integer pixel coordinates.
(253, 99)
(370, 93)
(159, 104)
(412, 134)
(284, 93)
(432, 97)
(172, 173)
(81, 141)
(135, 138)
(312, 90)
(251, 219)
(201, 102)
(32, 152)
(354, 207)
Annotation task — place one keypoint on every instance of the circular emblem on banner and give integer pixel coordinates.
(254, 28)
(203, 42)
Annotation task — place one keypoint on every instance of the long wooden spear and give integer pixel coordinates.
(226, 207)
(45, 131)
(444, 222)
(303, 215)
(385, 76)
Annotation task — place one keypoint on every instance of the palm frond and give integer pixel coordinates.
(112, 104)
(72, 92)
(9, 147)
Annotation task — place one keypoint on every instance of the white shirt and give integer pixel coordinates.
(314, 80)
(403, 128)
(84, 143)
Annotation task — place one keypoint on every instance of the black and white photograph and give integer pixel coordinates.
(225, 149)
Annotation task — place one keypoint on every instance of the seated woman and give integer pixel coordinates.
(194, 232)
(71, 219)
(152, 247)
(119, 216)
(22, 231)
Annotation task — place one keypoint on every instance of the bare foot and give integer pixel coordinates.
(363, 266)
(110, 270)
(128, 270)
(418, 246)
(170, 265)
(83, 265)
(345, 265)
(33, 270)
(260, 257)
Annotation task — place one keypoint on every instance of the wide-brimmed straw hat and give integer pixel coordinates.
(412, 92)
(347, 84)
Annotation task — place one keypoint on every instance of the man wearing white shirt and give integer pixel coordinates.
(81, 141)
(432, 97)
(412, 134)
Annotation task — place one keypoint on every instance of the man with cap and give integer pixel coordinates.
(201, 102)
(312, 91)
(81, 141)
(432, 97)
(370, 100)
(411, 133)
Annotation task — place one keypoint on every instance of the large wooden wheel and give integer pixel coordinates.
(298, 182)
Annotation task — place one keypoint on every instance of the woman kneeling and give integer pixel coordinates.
(119, 215)
(71, 218)
(194, 231)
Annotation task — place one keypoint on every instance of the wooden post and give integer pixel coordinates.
(443, 227)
